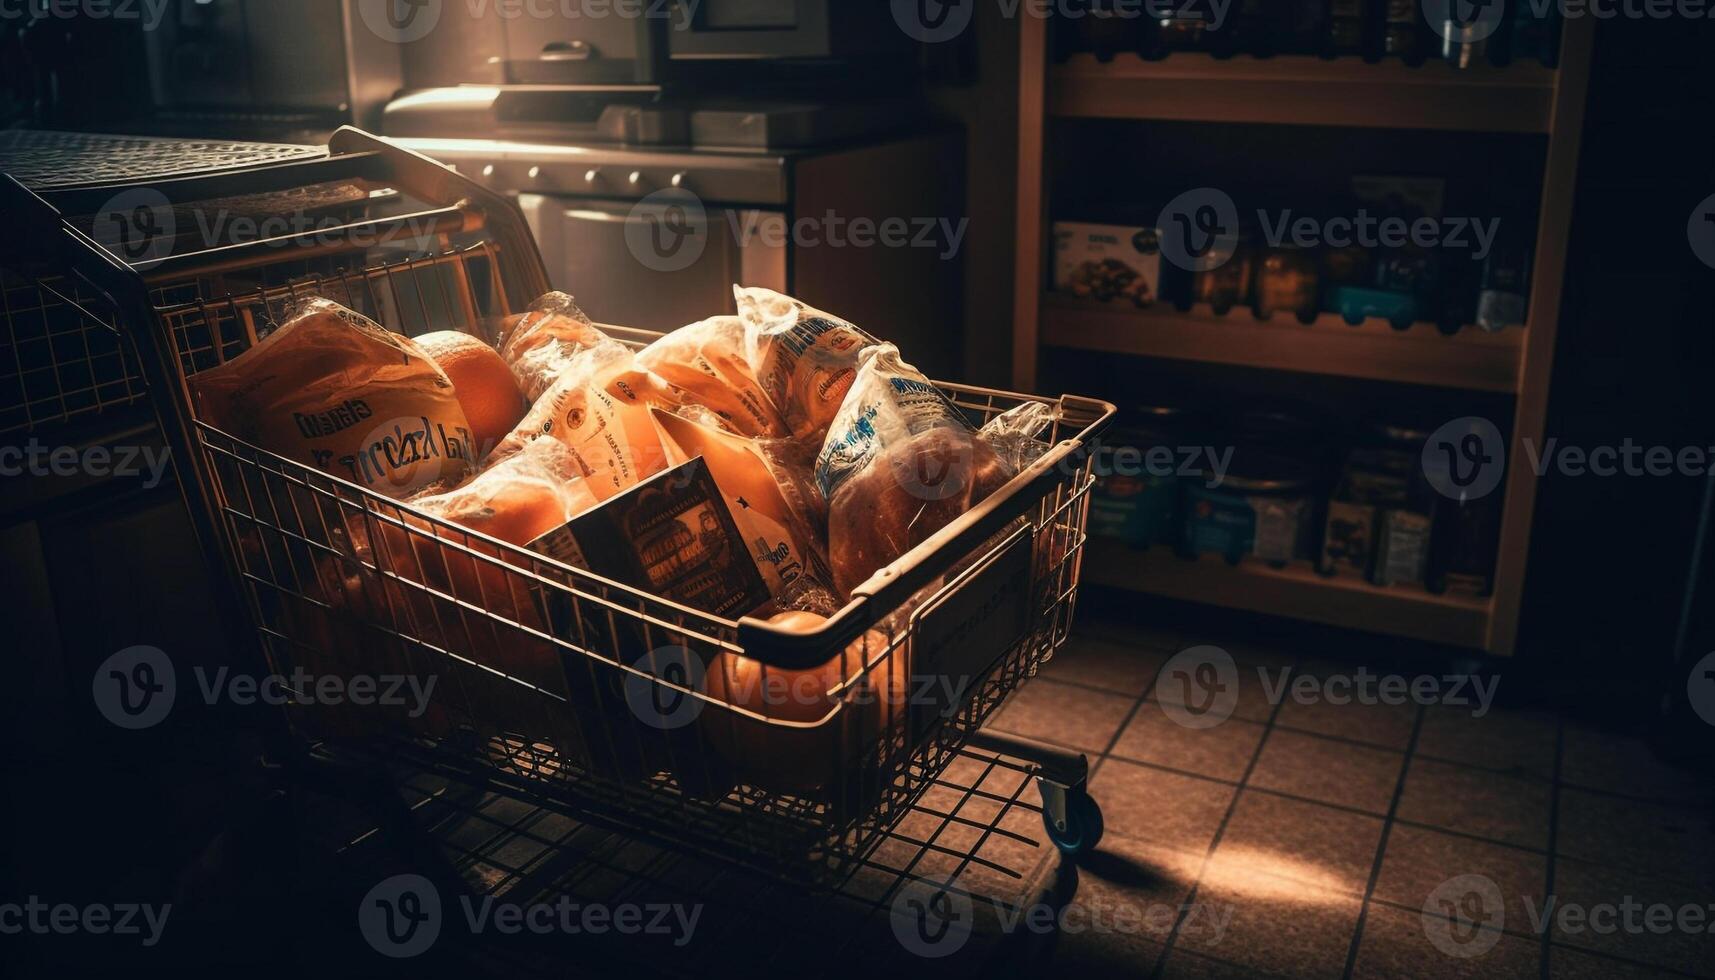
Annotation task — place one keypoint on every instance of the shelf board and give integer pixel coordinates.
(1306, 91)
(1295, 592)
(1473, 359)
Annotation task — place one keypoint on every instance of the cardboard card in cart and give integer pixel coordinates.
(671, 536)
(965, 631)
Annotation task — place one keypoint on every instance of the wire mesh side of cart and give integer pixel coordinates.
(60, 363)
(537, 669)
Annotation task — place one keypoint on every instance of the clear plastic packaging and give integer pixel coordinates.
(900, 462)
(804, 358)
(708, 360)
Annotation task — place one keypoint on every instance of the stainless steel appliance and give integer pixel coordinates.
(723, 40)
(304, 65)
(657, 237)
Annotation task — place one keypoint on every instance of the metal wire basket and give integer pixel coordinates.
(541, 667)
(60, 366)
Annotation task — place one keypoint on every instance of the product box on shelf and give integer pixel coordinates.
(1107, 263)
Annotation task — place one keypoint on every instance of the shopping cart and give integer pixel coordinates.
(544, 669)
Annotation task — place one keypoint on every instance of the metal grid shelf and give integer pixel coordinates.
(42, 159)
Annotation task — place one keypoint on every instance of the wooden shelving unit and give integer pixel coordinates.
(1255, 587)
(1523, 99)
(1472, 359)
(1305, 91)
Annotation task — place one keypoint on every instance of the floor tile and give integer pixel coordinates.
(1153, 636)
(1566, 963)
(1304, 844)
(1175, 686)
(1064, 714)
(1385, 725)
(1297, 931)
(1328, 771)
(1104, 955)
(1164, 808)
(1223, 751)
(1396, 943)
(1419, 860)
(1604, 893)
(1132, 889)
(1518, 742)
(1183, 964)
(1492, 805)
(1620, 764)
(1652, 838)
(1123, 667)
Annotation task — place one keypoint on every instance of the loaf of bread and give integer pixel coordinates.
(900, 463)
(805, 359)
(709, 362)
(542, 344)
(335, 390)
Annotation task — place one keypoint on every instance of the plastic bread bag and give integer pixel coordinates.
(767, 502)
(900, 463)
(708, 360)
(1015, 435)
(804, 358)
(599, 409)
(541, 344)
(335, 390)
(463, 594)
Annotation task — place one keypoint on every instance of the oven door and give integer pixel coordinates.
(655, 264)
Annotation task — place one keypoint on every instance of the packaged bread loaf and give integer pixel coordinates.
(599, 409)
(540, 345)
(900, 462)
(458, 592)
(335, 390)
(805, 359)
(709, 362)
(765, 498)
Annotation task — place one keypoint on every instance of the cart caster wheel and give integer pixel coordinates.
(1083, 829)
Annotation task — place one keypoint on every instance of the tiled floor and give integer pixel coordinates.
(1287, 836)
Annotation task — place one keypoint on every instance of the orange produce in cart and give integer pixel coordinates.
(483, 383)
(804, 745)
